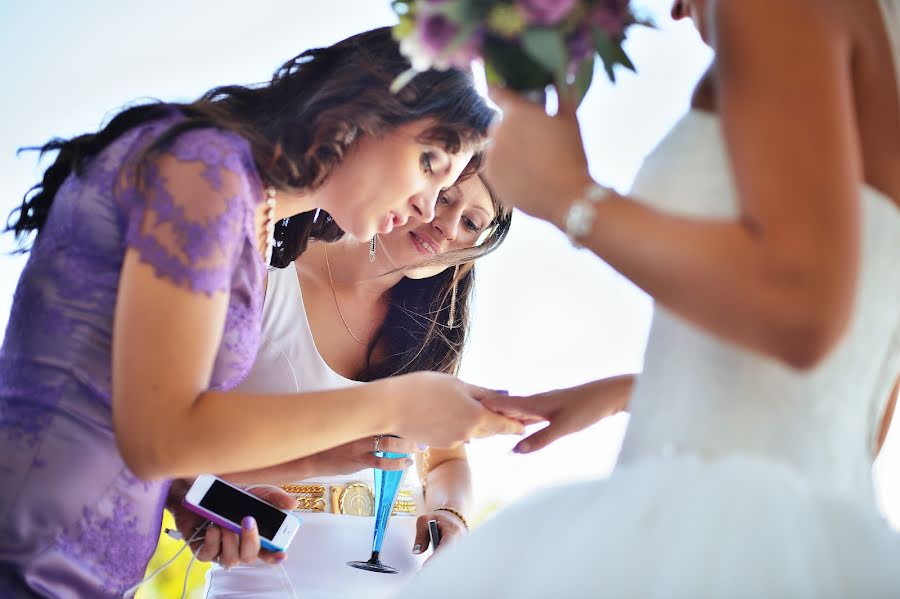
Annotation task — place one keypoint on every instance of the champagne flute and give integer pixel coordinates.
(387, 486)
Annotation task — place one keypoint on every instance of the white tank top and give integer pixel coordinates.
(289, 362)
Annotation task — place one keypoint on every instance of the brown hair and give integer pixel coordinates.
(418, 332)
(299, 125)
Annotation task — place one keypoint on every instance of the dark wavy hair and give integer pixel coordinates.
(427, 322)
(299, 125)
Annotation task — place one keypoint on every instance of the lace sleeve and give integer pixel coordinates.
(189, 209)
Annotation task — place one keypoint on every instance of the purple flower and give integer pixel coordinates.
(463, 56)
(546, 12)
(437, 32)
(580, 44)
(611, 16)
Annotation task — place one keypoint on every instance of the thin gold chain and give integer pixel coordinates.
(334, 295)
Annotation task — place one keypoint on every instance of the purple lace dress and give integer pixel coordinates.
(74, 521)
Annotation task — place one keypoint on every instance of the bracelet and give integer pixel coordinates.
(579, 220)
(455, 512)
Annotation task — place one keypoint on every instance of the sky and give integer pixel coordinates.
(546, 315)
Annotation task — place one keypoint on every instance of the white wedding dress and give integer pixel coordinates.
(738, 477)
(289, 362)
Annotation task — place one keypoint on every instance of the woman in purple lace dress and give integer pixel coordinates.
(139, 306)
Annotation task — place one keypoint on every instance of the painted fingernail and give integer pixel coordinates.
(422, 447)
(409, 462)
(417, 548)
(280, 559)
(522, 447)
(248, 523)
(501, 391)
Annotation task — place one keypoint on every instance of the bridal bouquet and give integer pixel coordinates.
(524, 44)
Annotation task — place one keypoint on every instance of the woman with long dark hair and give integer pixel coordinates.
(139, 307)
(347, 312)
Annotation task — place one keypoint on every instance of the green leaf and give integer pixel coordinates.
(492, 76)
(547, 48)
(464, 11)
(611, 53)
(583, 78)
(505, 62)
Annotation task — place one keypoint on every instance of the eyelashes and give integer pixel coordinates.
(426, 161)
(468, 223)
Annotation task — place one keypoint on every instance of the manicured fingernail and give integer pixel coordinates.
(422, 447)
(248, 523)
(417, 548)
(280, 559)
(501, 391)
(409, 462)
(522, 447)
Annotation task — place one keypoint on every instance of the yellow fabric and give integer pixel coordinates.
(168, 583)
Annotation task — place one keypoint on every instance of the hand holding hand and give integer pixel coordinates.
(568, 410)
(440, 410)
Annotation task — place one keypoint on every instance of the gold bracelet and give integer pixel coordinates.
(314, 490)
(455, 512)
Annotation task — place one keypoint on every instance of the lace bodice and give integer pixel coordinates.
(72, 516)
(699, 393)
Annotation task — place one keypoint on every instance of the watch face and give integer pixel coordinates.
(580, 216)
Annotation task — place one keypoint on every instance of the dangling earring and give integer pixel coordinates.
(452, 317)
(372, 248)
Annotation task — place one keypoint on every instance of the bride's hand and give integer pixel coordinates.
(535, 161)
(567, 410)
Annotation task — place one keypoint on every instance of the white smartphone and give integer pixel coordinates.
(227, 505)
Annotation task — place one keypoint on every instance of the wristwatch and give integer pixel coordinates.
(579, 220)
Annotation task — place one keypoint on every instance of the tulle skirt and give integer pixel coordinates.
(676, 527)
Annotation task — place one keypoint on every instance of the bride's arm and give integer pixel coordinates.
(778, 279)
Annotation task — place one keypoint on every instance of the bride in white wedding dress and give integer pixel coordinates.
(766, 226)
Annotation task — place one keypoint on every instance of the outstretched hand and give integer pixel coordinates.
(567, 410)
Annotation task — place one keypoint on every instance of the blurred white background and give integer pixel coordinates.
(546, 315)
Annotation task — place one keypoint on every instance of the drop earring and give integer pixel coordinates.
(372, 248)
(452, 317)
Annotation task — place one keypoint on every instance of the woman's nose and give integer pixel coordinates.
(423, 206)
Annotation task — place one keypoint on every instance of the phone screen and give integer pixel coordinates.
(235, 506)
